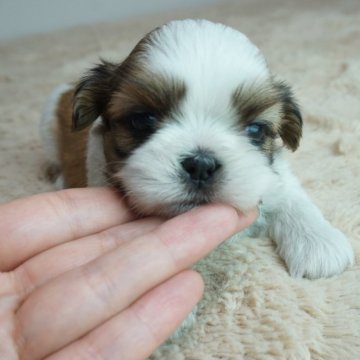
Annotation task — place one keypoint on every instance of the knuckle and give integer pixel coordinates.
(100, 286)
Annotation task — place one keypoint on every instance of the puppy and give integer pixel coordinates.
(192, 116)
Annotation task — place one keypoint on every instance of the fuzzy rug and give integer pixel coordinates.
(252, 308)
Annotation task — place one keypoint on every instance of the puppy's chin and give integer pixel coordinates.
(166, 210)
(143, 207)
(148, 206)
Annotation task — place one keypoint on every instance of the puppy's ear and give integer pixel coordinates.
(291, 123)
(92, 94)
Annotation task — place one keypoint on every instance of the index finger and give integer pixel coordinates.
(34, 224)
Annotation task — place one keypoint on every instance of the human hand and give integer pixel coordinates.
(82, 278)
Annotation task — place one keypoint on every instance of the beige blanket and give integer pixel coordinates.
(254, 309)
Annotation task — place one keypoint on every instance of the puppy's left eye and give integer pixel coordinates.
(256, 131)
(142, 121)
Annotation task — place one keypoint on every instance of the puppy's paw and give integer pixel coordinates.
(323, 252)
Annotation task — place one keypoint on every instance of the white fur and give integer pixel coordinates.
(152, 172)
(211, 74)
(59, 182)
(185, 50)
(308, 243)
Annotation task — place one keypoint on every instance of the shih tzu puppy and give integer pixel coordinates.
(192, 116)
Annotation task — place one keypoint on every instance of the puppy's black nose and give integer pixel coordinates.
(200, 167)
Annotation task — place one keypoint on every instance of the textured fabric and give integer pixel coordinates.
(252, 309)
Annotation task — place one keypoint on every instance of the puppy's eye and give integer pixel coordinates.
(142, 121)
(256, 131)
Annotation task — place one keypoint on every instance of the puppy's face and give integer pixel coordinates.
(192, 116)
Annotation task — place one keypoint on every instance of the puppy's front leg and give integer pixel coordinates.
(309, 244)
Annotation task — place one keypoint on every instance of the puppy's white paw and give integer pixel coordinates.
(324, 252)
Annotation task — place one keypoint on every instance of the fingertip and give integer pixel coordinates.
(193, 284)
(232, 220)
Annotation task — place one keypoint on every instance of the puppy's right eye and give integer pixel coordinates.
(142, 122)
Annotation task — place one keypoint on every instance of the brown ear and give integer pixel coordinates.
(92, 94)
(291, 122)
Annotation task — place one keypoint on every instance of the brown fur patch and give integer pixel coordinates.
(92, 94)
(137, 95)
(251, 101)
(94, 90)
(291, 124)
(116, 92)
(271, 103)
(146, 92)
(72, 145)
